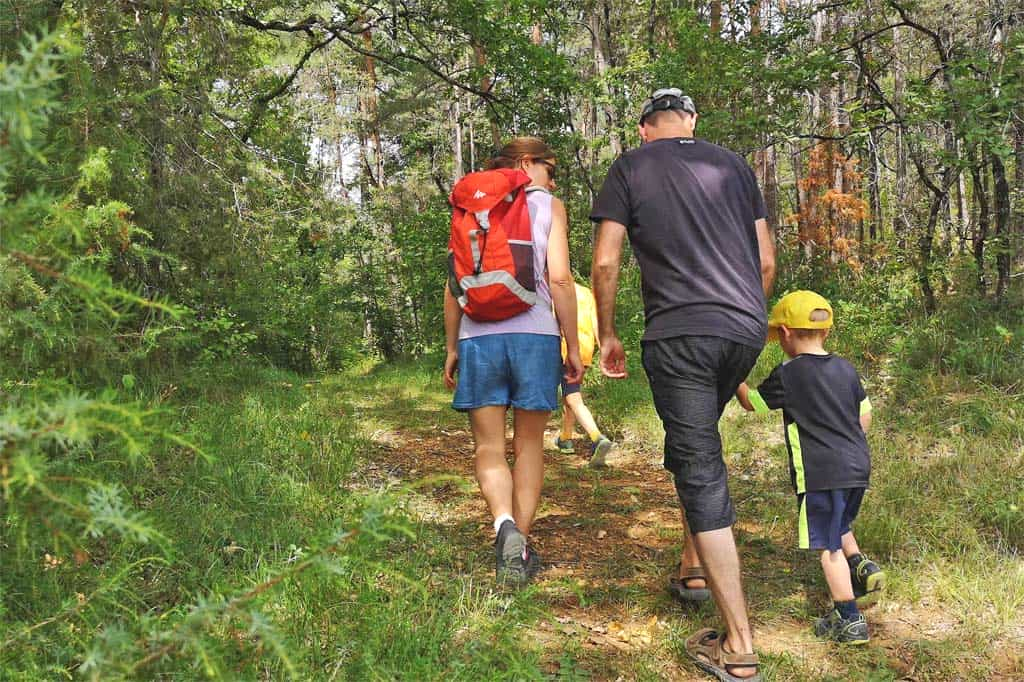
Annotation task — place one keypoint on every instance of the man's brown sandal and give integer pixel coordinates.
(705, 648)
(680, 588)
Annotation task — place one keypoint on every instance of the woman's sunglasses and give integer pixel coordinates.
(549, 165)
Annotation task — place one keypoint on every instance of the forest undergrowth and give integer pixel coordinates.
(330, 528)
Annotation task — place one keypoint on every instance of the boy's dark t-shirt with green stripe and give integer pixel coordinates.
(822, 399)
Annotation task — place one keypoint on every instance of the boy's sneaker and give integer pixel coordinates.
(509, 549)
(566, 447)
(867, 578)
(845, 631)
(599, 450)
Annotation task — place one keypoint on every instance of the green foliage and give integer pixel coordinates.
(974, 340)
(184, 213)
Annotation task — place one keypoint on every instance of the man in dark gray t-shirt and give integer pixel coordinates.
(697, 224)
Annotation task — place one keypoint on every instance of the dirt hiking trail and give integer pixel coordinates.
(611, 538)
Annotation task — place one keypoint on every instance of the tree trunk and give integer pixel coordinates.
(819, 32)
(599, 48)
(485, 84)
(804, 237)
(924, 253)
(900, 223)
(375, 160)
(716, 18)
(980, 176)
(963, 211)
(153, 39)
(874, 188)
(1001, 198)
(1017, 237)
(771, 187)
(454, 114)
(472, 145)
(338, 171)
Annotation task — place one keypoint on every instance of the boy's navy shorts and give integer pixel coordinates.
(826, 515)
(569, 389)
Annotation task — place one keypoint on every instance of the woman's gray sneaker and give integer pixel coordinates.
(509, 547)
(533, 562)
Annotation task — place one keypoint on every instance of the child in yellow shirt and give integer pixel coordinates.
(574, 410)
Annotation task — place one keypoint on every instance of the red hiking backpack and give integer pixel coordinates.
(490, 251)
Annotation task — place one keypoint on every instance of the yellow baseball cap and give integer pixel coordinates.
(795, 311)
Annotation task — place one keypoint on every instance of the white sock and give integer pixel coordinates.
(500, 520)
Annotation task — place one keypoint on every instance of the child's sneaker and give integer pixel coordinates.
(599, 450)
(510, 567)
(566, 447)
(867, 578)
(845, 631)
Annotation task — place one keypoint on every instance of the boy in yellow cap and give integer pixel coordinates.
(573, 408)
(826, 414)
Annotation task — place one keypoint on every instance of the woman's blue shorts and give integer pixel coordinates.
(518, 370)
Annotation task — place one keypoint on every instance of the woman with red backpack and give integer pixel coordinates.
(508, 266)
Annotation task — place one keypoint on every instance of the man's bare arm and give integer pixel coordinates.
(605, 276)
(766, 245)
(605, 273)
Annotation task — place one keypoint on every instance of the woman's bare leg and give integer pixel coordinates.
(492, 471)
(528, 472)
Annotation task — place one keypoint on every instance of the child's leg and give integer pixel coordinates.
(850, 547)
(568, 420)
(837, 575)
(868, 578)
(583, 415)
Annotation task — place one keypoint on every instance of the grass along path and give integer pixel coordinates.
(611, 538)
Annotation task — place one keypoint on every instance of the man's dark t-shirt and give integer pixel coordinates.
(690, 208)
(822, 399)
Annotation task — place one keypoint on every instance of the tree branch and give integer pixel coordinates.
(264, 100)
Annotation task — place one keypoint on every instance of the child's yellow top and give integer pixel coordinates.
(586, 324)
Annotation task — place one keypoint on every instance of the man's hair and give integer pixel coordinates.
(666, 117)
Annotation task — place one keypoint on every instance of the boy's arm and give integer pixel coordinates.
(743, 396)
(865, 414)
(751, 399)
(770, 395)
